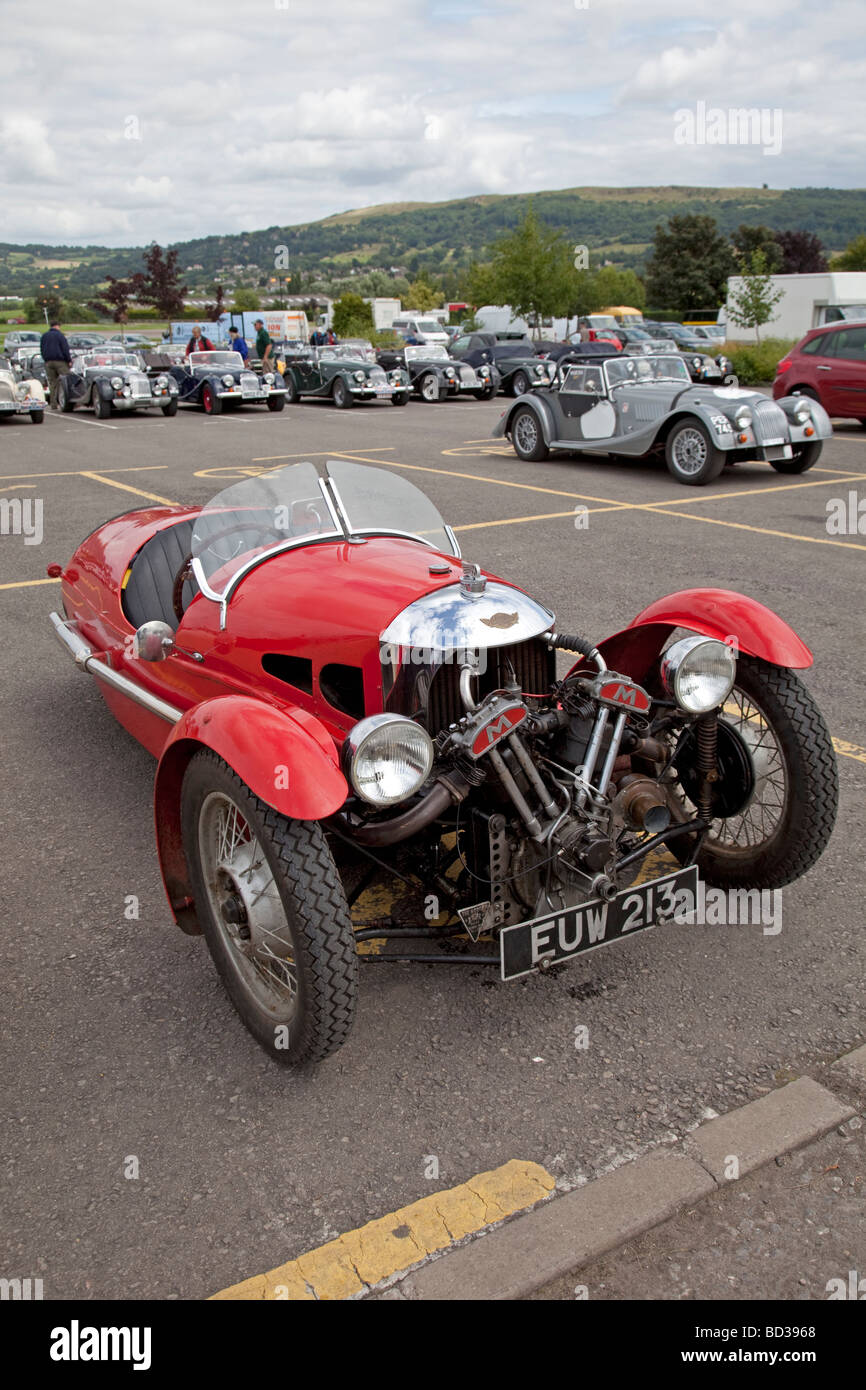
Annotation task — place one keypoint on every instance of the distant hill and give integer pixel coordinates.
(617, 223)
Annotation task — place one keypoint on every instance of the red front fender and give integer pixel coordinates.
(285, 758)
(743, 622)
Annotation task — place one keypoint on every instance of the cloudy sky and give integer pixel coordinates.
(123, 124)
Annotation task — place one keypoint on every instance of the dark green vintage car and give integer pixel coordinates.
(344, 376)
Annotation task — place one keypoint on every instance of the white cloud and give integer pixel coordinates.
(253, 115)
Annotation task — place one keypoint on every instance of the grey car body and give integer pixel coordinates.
(634, 406)
(109, 380)
(516, 361)
(435, 376)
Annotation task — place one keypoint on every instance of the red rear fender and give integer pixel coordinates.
(284, 761)
(743, 622)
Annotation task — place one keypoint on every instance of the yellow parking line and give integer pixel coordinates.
(743, 526)
(753, 491)
(137, 492)
(479, 478)
(358, 1260)
(28, 583)
(849, 750)
(322, 454)
(77, 473)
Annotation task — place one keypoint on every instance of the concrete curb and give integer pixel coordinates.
(528, 1252)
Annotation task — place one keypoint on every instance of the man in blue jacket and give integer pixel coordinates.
(57, 358)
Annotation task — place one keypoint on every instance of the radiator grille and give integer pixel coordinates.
(770, 422)
(534, 667)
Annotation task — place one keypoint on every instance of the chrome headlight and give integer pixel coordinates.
(743, 417)
(117, 382)
(802, 411)
(697, 362)
(449, 371)
(360, 376)
(387, 757)
(699, 673)
(228, 380)
(270, 378)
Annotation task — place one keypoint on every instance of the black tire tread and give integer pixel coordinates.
(312, 887)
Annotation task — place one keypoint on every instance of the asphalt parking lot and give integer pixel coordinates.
(120, 1042)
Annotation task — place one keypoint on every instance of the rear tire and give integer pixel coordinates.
(294, 977)
(691, 456)
(805, 455)
(527, 436)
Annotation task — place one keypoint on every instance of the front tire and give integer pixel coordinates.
(520, 384)
(37, 416)
(428, 388)
(691, 456)
(170, 409)
(211, 401)
(101, 407)
(276, 402)
(343, 398)
(527, 436)
(777, 734)
(805, 455)
(274, 914)
(292, 393)
(401, 398)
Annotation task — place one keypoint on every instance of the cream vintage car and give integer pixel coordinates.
(20, 393)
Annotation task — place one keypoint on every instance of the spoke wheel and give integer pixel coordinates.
(526, 435)
(430, 388)
(775, 734)
(273, 912)
(691, 455)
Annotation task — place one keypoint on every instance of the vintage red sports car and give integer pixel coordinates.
(336, 701)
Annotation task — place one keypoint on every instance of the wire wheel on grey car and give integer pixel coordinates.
(776, 793)
(520, 384)
(527, 436)
(273, 912)
(691, 455)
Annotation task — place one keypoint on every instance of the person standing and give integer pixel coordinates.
(264, 346)
(239, 344)
(57, 358)
(198, 342)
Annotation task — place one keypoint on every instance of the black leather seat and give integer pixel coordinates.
(149, 589)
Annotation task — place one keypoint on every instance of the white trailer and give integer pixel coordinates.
(808, 301)
(385, 311)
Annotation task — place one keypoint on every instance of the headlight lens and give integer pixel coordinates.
(743, 417)
(228, 380)
(802, 412)
(699, 673)
(270, 378)
(117, 382)
(360, 376)
(387, 757)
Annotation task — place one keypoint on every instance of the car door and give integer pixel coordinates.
(586, 411)
(846, 356)
(815, 367)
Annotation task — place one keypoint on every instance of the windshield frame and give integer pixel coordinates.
(206, 359)
(647, 380)
(343, 532)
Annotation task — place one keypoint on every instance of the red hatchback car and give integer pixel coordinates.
(829, 365)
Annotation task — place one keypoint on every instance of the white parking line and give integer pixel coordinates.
(79, 420)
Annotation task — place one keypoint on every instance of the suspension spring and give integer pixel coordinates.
(708, 738)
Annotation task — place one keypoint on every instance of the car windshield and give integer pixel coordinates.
(232, 360)
(296, 505)
(341, 353)
(433, 351)
(107, 359)
(429, 326)
(638, 371)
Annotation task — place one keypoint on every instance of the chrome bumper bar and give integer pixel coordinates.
(85, 660)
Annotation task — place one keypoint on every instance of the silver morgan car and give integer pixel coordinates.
(638, 406)
(109, 380)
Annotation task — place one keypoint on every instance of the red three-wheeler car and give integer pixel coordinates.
(337, 701)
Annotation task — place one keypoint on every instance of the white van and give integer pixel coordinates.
(421, 326)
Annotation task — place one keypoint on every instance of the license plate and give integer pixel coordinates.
(784, 452)
(249, 393)
(559, 936)
(383, 390)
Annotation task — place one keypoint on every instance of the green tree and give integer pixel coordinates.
(421, 296)
(160, 283)
(746, 240)
(246, 300)
(612, 286)
(753, 303)
(532, 270)
(352, 317)
(853, 257)
(690, 264)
